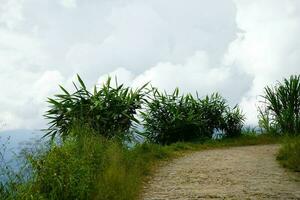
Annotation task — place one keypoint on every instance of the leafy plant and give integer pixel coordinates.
(281, 106)
(109, 111)
(212, 109)
(265, 122)
(170, 118)
(234, 121)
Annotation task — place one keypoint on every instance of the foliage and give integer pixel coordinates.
(212, 110)
(289, 153)
(234, 121)
(88, 167)
(109, 111)
(281, 107)
(265, 122)
(170, 118)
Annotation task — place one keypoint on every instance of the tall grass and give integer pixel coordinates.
(280, 112)
(85, 167)
(289, 153)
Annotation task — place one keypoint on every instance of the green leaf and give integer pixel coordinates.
(81, 82)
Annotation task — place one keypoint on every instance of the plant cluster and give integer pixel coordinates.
(109, 111)
(280, 112)
(173, 117)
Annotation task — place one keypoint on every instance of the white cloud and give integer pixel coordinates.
(142, 34)
(25, 98)
(268, 48)
(11, 13)
(119, 76)
(197, 74)
(69, 3)
(234, 47)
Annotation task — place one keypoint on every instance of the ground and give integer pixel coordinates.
(250, 172)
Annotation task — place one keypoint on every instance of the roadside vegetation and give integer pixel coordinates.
(98, 151)
(280, 115)
(289, 154)
(93, 167)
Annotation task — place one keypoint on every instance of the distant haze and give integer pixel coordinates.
(235, 47)
(12, 142)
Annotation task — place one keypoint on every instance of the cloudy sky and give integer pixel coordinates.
(235, 47)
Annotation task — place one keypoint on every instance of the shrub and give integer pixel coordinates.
(109, 111)
(266, 123)
(233, 122)
(170, 118)
(289, 154)
(211, 109)
(281, 106)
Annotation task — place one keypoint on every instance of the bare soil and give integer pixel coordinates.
(250, 172)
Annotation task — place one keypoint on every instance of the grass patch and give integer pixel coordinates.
(88, 167)
(289, 153)
(91, 167)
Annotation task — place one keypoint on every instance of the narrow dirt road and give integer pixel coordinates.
(250, 172)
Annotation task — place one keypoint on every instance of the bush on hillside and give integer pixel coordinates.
(211, 109)
(233, 122)
(280, 112)
(109, 111)
(170, 118)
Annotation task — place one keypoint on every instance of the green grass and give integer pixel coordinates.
(289, 153)
(91, 167)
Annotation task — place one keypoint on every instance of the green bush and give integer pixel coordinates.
(280, 112)
(266, 123)
(289, 154)
(212, 110)
(233, 122)
(109, 111)
(112, 111)
(170, 118)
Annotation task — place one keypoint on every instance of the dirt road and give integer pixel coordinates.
(250, 172)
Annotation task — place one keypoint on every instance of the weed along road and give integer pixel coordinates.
(249, 172)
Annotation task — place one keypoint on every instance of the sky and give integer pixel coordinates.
(235, 47)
